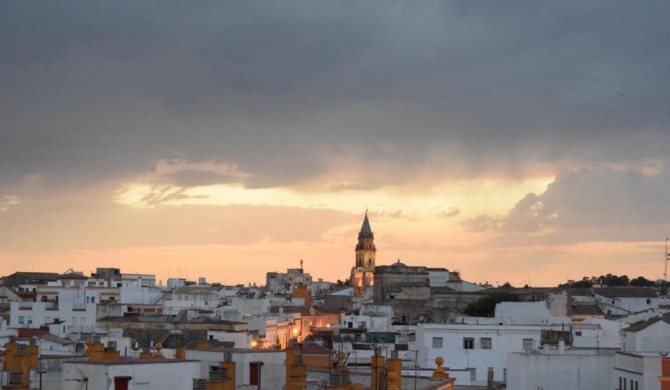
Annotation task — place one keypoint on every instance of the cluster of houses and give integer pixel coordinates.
(390, 327)
(601, 338)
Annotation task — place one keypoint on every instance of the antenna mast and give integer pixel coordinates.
(667, 257)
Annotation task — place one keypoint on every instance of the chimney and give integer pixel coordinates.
(376, 371)
(180, 352)
(394, 381)
(296, 371)
(665, 373)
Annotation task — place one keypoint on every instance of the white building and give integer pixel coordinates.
(240, 339)
(636, 371)
(192, 297)
(442, 277)
(287, 282)
(474, 347)
(527, 313)
(555, 370)
(228, 292)
(7, 295)
(6, 334)
(174, 283)
(35, 314)
(626, 300)
(138, 280)
(597, 333)
(148, 374)
(142, 295)
(371, 317)
(649, 336)
(256, 306)
(251, 366)
(114, 339)
(51, 345)
(274, 332)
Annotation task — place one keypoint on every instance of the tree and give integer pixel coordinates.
(486, 306)
(584, 283)
(641, 281)
(610, 280)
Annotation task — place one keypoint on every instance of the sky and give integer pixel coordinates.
(524, 142)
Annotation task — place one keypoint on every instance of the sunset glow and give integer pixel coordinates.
(529, 147)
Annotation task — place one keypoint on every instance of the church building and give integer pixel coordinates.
(362, 274)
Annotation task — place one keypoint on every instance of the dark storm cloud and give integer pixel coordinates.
(99, 91)
(590, 198)
(591, 204)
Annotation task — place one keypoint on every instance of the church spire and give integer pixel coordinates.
(365, 249)
(365, 228)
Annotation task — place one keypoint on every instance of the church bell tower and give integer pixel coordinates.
(365, 249)
(362, 273)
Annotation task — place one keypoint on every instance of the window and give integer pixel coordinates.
(648, 301)
(121, 382)
(255, 373)
(485, 343)
(22, 319)
(468, 343)
(527, 344)
(578, 333)
(437, 343)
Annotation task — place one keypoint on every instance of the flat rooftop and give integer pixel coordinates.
(122, 362)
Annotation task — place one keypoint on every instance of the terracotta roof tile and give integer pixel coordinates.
(638, 326)
(314, 349)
